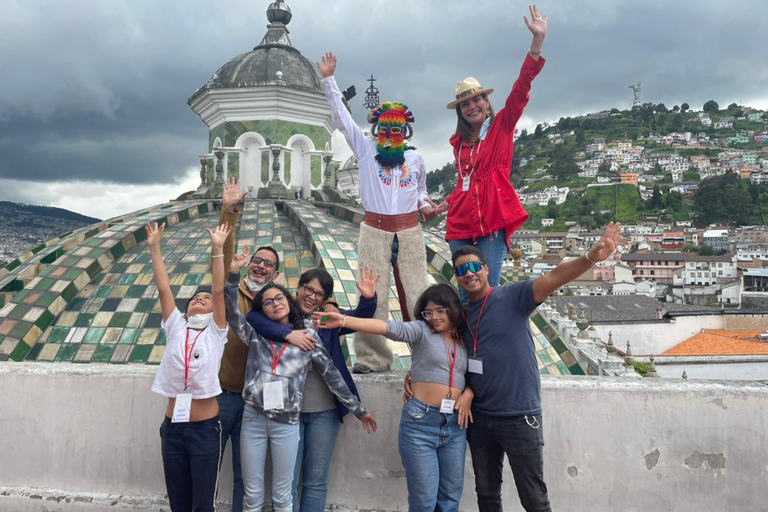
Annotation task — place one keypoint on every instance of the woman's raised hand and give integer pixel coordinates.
(538, 23)
(367, 284)
(328, 66)
(231, 195)
(328, 319)
(219, 235)
(154, 234)
(240, 260)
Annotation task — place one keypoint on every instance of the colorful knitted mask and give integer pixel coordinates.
(391, 127)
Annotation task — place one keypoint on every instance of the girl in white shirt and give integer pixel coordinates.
(188, 377)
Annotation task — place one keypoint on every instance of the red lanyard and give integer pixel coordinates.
(188, 355)
(473, 150)
(477, 328)
(451, 362)
(276, 359)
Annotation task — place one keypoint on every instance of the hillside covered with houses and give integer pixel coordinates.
(689, 187)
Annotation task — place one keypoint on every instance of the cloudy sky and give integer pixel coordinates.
(93, 113)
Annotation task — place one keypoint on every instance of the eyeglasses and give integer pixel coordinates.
(269, 303)
(311, 292)
(429, 313)
(470, 266)
(262, 261)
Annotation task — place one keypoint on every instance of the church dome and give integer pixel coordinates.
(273, 62)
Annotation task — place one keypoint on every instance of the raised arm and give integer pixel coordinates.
(230, 198)
(154, 236)
(340, 116)
(218, 237)
(235, 318)
(518, 98)
(566, 272)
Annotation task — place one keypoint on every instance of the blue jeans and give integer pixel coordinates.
(257, 433)
(522, 439)
(432, 447)
(494, 248)
(191, 463)
(316, 443)
(231, 417)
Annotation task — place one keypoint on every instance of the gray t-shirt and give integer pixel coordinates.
(429, 353)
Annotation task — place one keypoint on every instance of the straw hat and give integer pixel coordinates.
(467, 88)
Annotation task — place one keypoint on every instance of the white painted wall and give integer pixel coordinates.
(89, 433)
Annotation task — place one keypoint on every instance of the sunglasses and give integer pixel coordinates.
(470, 266)
(260, 261)
(269, 303)
(429, 313)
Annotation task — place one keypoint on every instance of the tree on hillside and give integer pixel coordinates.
(723, 199)
(581, 139)
(538, 132)
(656, 202)
(563, 166)
(604, 167)
(711, 106)
(661, 108)
(732, 107)
(676, 109)
(684, 107)
(445, 177)
(674, 201)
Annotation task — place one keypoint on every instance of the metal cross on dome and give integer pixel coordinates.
(371, 95)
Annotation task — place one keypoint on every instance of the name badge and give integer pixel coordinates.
(475, 365)
(181, 408)
(273, 395)
(447, 406)
(465, 185)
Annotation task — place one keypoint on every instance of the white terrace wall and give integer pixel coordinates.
(85, 438)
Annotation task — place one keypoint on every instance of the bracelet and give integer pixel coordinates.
(344, 322)
(586, 255)
(532, 52)
(217, 256)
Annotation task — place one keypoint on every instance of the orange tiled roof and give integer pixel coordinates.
(713, 342)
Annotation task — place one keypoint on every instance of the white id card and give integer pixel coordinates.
(447, 406)
(465, 185)
(273, 395)
(181, 408)
(475, 365)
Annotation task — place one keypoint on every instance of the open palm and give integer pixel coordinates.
(367, 283)
(538, 23)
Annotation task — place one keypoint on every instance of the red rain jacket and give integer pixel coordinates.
(491, 203)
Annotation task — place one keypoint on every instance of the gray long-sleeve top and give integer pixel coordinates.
(429, 356)
(292, 366)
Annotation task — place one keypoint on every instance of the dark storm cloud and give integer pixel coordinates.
(98, 90)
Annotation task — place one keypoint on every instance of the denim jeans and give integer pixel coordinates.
(522, 439)
(432, 447)
(318, 432)
(191, 463)
(256, 434)
(231, 417)
(494, 248)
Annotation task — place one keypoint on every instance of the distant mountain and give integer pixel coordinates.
(25, 226)
(21, 214)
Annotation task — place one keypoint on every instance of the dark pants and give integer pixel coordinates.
(191, 463)
(231, 416)
(522, 439)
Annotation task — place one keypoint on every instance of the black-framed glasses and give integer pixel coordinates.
(429, 313)
(262, 261)
(470, 266)
(311, 292)
(269, 303)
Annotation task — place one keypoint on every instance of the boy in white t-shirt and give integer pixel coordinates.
(188, 377)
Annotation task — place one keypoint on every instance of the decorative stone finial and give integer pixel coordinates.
(652, 368)
(629, 359)
(611, 348)
(279, 12)
(685, 375)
